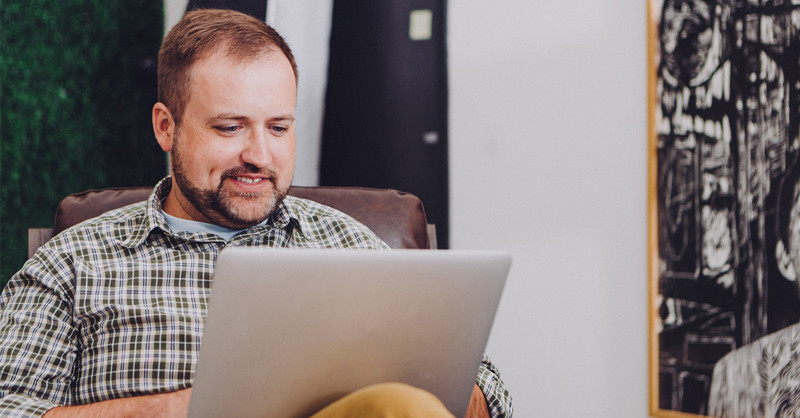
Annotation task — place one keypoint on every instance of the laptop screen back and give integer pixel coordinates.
(290, 331)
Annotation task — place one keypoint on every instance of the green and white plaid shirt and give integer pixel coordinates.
(114, 307)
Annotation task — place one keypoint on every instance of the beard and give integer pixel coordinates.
(224, 207)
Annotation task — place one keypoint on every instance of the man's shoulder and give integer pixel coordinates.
(112, 225)
(314, 212)
(307, 207)
(331, 226)
(54, 262)
(114, 218)
(123, 220)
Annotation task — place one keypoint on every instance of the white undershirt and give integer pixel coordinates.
(185, 225)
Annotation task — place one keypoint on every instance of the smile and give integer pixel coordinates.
(249, 180)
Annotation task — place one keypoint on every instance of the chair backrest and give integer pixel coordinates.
(396, 217)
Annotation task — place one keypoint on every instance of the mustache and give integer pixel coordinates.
(250, 169)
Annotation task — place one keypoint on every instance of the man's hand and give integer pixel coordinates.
(167, 405)
(477, 404)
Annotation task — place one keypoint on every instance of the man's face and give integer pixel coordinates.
(233, 153)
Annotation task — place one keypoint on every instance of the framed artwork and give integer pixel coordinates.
(724, 207)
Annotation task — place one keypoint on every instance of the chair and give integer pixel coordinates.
(396, 217)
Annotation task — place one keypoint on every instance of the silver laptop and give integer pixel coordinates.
(291, 331)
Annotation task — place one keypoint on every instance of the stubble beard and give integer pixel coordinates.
(221, 207)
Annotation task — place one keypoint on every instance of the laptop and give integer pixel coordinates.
(290, 331)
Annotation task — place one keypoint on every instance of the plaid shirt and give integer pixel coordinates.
(114, 307)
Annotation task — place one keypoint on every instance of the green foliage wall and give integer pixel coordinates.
(78, 82)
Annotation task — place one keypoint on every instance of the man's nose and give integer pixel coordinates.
(257, 150)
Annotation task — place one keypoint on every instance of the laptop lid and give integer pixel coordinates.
(290, 331)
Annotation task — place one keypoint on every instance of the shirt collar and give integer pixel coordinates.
(153, 218)
(288, 213)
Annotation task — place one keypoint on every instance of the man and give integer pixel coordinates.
(106, 318)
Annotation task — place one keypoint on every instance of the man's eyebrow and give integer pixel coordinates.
(225, 116)
(284, 118)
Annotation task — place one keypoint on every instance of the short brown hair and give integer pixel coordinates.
(199, 34)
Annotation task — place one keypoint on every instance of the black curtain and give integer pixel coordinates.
(385, 121)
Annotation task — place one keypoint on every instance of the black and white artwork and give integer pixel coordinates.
(727, 155)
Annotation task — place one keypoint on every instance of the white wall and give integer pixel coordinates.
(173, 12)
(548, 149)
(306, 27)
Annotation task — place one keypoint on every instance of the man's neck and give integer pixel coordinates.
(185, 225)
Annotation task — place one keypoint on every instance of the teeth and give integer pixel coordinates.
(248, 180)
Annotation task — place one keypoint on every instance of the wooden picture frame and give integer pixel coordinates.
(724, 207)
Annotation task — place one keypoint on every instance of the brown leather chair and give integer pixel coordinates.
(396, 217)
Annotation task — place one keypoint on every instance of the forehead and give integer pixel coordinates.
(220, 77)
(227, 57)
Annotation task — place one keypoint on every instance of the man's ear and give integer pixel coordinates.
(163, 126)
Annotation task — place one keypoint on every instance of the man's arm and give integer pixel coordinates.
(477, 404)
(167, 405)
(36, 340)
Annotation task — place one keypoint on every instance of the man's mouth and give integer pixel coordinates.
(250, 180)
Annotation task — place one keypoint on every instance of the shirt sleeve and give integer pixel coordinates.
(497, 397)
(36, 348)
(22, 406)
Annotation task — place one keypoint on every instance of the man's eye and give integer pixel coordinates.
(227, 129)
(279, 129)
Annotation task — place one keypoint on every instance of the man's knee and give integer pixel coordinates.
(390, 400)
